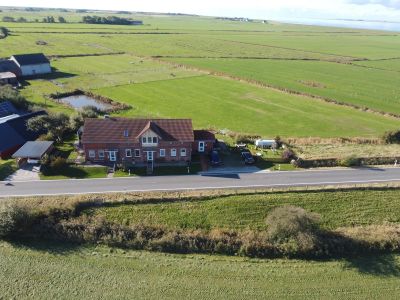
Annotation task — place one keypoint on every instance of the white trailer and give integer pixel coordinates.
(265, 144)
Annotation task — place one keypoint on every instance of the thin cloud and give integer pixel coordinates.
(386, 3)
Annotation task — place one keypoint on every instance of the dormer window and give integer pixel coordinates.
(126, 133)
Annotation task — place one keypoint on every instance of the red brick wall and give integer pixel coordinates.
(209, 145)
(143, 155)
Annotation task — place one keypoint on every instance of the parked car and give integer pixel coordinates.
(215, 159)
(248, 158)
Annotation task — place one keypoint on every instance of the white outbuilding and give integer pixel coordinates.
(32, 64)
(265, 144)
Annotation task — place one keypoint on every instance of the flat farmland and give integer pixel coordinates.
(214, 102)
(370, 88)
(389, 64)
(294, 57)
(111, 70)
(49, 271)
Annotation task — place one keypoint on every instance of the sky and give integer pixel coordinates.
(381, 10)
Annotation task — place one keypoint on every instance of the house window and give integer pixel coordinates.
(144, 140)
(126, 133)
(173, 152)
(137, 152)
(155, 140)
(183, 152)
(101, 154)
(128, 152)
(162, 152)
(92, 153)
(149, 140)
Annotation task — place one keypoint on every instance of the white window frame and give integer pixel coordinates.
(144, 140)
(92, 153)
(128, 151)
(162, 152)
(138, 151)
(173, 152)
(126, 133)
(183, 152)
(101, 154)
(202, 146)
(155, 140)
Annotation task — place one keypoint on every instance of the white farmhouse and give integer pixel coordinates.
(32, 64)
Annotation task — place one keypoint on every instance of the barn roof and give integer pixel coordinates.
(7, 108)
(203, 135)
(112, 130)
(16, 132)
(34, 149)
(9, 66)
(31, 59)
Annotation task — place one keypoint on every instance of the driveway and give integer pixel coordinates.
(25, 173)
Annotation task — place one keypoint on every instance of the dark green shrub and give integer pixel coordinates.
(58, 163)
(288, 155)
(392, 137)
(351, 161)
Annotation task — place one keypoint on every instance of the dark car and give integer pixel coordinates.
(248, 158)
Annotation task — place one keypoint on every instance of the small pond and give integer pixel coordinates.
(80, 101)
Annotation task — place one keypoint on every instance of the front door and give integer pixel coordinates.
(113, 156)
(201, 146)
(150, 156)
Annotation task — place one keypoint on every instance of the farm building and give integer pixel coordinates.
(140, 141)
(32, 64)
(14, 132)
(33, 151)
(8, 78)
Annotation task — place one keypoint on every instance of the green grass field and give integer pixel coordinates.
(337, 209)
(47, 271)
(371, 88)
(320, 61)
(218, 103)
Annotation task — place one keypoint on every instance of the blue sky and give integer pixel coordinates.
(383, 10)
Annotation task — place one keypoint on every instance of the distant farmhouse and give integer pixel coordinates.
(13, 129)
(23, 65)
(141, 141)
(32, 64)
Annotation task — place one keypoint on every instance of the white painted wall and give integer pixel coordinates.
(35, 69)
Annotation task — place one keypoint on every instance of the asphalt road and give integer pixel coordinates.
(197, 182)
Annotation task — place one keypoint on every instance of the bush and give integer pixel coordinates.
(288, 155)
(293, 229)
(13, 218)
(392, 137)
(351, 161)
(58, 163)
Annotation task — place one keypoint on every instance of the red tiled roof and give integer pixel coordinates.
(111, 130)
(203, 135)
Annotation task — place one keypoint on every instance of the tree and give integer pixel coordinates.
(4, 32)
(56, 125)
(7, 93)
(8, 19)
(21, 20)
(78, 119)
(61, 20)
(49, 19)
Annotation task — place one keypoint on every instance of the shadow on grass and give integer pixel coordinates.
(384, 265)
(53, 247)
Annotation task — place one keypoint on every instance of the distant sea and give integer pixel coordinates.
(357, 24)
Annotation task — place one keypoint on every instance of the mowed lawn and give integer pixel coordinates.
(371, 88)
(45, 271)
(213, 102)
(336, 208)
